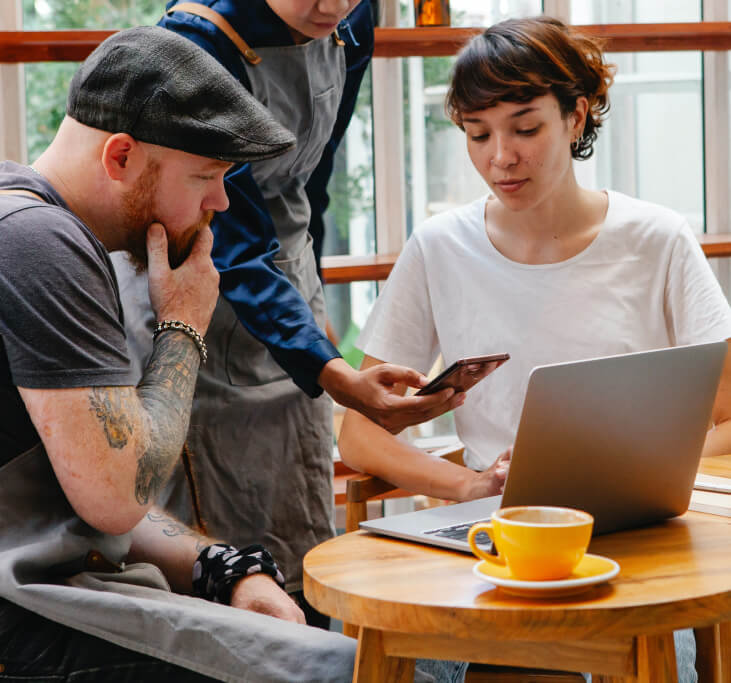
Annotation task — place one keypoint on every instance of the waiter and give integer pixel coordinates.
(261, 430)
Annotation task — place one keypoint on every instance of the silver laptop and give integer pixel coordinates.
(619, 436)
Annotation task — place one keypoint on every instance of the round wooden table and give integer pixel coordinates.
(413, 601)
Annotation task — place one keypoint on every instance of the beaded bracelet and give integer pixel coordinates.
(219, 566)
(180, 326)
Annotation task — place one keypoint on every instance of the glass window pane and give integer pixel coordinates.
(634, 11)
(439, 174)
(651, 145)
(46, 15)
(46, 84)
(481, 13)
(350, 223)
(350, 218)
(477, 12)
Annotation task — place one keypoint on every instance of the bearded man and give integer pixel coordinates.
(87, 562)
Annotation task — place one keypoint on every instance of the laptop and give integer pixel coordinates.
(619, 437)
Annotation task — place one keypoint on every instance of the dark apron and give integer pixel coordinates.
(261, 448)
(47, 566)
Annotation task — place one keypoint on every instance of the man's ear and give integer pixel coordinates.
(123, 157)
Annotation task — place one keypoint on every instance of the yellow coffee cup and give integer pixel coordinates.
(537, 543)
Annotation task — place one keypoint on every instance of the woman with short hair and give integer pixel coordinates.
(541, 268)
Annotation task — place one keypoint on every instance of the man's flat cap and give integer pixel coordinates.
(163, 89)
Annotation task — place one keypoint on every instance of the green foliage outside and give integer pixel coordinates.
(347, 347)
(47, 83)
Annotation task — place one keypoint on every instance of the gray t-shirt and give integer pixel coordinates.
(61, 320)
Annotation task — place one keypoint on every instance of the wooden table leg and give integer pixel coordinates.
(656, 659)
(724, 646)
(372, 665)
(708, 654)
(713, 653)
(350, 630)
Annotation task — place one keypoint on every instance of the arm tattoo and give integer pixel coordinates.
(176, 528)
(112, 407)
(166, 392)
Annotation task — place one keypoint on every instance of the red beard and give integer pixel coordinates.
(139, 213)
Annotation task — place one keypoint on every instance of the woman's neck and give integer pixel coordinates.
(554, 230)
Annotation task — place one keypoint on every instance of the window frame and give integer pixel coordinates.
(388, 138)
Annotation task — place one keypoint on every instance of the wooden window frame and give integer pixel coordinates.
(392, 43)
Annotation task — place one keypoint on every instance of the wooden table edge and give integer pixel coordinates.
(658, 618)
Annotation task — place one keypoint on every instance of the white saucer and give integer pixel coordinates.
(592, 569)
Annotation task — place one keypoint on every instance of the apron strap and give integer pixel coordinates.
(25, 193)
(222, 24)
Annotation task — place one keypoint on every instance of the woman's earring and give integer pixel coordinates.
(575, 144)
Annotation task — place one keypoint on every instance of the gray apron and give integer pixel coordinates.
(261, 448)
(47, 565)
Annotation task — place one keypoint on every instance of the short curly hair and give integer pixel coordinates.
(520, 59)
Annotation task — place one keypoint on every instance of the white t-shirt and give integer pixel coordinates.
(643, 283)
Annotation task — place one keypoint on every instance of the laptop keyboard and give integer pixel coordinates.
(459, 532)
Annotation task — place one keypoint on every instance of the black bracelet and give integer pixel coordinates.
(180, 326)
(220, 566)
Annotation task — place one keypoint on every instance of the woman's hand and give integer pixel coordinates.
(490, 482)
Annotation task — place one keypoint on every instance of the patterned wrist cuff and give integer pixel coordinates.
(219, 566)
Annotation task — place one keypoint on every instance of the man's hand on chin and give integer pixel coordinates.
(377, 392)
(260, 593)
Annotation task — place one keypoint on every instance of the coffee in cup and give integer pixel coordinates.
(536, 543)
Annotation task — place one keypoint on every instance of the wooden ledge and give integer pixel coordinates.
(342, 269)
(60, 46)
(716, 245)
(49, 46)
(444, 41)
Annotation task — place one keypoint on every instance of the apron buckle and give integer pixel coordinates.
(96, 562)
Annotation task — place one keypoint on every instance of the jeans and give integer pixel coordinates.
(35, 649)
(440, 671)
(684, 655)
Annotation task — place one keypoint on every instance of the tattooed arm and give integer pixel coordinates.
(113, 448)
(174, 547)
(171, 545)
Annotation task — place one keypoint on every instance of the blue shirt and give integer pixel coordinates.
(245, 242)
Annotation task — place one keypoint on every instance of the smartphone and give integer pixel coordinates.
(464, 373)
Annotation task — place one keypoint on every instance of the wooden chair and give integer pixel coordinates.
(361, 488)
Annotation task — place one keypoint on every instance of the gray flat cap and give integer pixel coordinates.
(164, 89)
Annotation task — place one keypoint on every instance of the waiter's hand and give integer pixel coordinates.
(377, 392)
(260, 593)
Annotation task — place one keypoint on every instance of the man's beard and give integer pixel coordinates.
(139, 212)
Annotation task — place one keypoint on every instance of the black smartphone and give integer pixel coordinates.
(464, 373)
